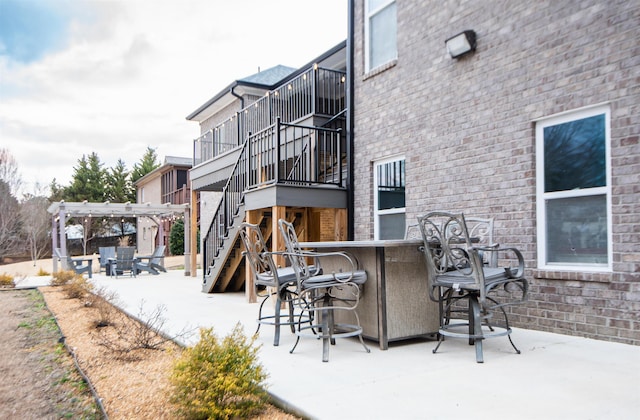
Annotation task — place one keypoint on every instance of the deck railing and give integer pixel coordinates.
(179, 196)
(317, 91)
(281, 153)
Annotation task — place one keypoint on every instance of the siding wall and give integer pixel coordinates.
(467, 130)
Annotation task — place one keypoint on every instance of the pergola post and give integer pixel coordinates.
(187, 243)
(62, 221)
(194, 231)
(54, 242)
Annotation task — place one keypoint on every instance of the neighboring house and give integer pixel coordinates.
(169, 183)
(272, 145)
(538, 128)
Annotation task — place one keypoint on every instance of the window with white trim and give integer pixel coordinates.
(389, 198)
(574, 191)
(380, 33)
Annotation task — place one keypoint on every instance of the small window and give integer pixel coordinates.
(574, 194)
(380, 33)
(389, 199)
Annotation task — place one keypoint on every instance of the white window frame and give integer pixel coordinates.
(377, 213)
(369, 14)
(542, 197)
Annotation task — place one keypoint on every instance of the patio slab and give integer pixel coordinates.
(556, 376)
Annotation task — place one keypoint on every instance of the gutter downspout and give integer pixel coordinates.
(349, 134)
(241, 135)
(237, 96)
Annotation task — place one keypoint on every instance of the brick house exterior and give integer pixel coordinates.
(467, 131)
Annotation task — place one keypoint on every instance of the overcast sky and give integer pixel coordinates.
(116, 76)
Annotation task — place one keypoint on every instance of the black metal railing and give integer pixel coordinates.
(294, 154)
(281, 153)
(229, 206)
(317, 91)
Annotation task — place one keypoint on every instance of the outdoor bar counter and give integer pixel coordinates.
(394, 304)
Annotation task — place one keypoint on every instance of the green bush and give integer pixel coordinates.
(176, 238)
(214, 380)
(7, 280)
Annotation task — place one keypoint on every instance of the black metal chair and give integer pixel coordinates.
(323, 294)
(269, 280)
(457, 273)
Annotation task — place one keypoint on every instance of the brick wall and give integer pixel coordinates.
(467, 130)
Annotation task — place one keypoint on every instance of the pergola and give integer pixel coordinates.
(61, 211)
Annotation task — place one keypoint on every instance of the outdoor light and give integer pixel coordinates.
(461, 44)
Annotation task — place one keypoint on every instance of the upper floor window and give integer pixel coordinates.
(389, 199)
(380, 33)
(574, 191)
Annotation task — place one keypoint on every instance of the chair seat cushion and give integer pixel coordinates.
(451, 278)
(285, 275)
(331, 279)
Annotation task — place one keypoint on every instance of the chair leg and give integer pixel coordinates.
(475, 317)
(290, 305)
(326, 335)
(276, 319)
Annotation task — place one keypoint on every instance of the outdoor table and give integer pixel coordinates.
(395, 303)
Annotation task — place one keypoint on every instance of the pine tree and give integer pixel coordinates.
(148, 163)
(88, 181)
(119, 188)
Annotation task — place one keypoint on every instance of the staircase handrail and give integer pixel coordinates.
(227, 208)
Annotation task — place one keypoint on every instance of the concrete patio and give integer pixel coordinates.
(555, 377)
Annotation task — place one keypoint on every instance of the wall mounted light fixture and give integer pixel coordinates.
(461, 44)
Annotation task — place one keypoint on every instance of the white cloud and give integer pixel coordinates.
(128, 78)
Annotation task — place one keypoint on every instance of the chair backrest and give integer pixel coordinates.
(412, 232)
(481, 233)
(106, 252)
(124, 257)
(158, 254)
(262, 265)
(448, 246)
(295, 254)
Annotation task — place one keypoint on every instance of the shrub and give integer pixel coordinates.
(42, 272)
(7, 280)
(214, 380)
(62, 277)
(130, 335)
(103, 300)
(176, 238)
(78, 287)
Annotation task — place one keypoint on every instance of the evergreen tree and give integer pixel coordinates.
(119, 188)
(176, 238)
(56, 191)
(88, 181)
(148, 163)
